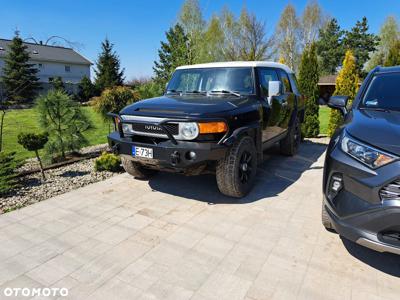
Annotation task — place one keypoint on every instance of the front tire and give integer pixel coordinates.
(136, 170)
(290, 144)
(236, 172)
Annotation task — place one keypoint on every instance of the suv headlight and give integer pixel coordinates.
(368, 155)
(188, 131)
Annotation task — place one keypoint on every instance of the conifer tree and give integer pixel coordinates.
(361, 43)
(308, 85)
(108, 70)
(19, 76)
(330, 48)
(347, 84)
(173, 53)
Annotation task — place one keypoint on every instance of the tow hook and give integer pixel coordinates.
(175, 158)
(115, 149)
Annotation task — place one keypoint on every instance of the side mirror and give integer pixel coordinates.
(274, 88)
(339, 102)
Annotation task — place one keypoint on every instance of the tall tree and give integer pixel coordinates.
(308, 85)
(389, 35)
(19, 76)
(108, 70)
(253, 43)
(193, 24)
(173, 53)
(393, 58)
(214, 40)
(287, 35)
(347, 83)
(312, 22)
(330, 47)
(231, 31)
(361, 43)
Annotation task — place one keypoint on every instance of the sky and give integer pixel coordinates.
(137, 27)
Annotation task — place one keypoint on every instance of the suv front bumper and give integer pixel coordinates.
(167, 155)
(356, 210)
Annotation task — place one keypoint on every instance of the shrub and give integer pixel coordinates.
(8, 165)
(34, 142)
(308, 85)
(149, 89)
(86, 89)
(64, 121)
(108, 162)
(346, 85)
(113, 100)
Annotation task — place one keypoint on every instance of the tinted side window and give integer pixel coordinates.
(383, 92)
(285, 82)
(265, 76)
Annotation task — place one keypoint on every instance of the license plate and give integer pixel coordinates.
(142, 152)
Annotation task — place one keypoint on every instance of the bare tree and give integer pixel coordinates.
(312, 21)
(254, 45)
(287, 36)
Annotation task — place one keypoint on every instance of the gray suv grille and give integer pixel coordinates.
(391, 191)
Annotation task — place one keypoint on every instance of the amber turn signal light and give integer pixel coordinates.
(213, 127)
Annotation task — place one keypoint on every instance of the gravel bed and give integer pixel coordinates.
(32, 163)
(58, 181)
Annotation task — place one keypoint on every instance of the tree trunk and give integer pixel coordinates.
(40, 163)
(1, 129)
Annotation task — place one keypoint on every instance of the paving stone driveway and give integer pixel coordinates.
(177, 238)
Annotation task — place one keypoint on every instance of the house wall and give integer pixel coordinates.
(49, 70)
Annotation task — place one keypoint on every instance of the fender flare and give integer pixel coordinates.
(253, 130)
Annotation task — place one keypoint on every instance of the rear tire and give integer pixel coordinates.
(290, 144)
(236, 172)
(136, 170)
(326, 220)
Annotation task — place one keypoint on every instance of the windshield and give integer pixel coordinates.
(383, 92)
(237, 80)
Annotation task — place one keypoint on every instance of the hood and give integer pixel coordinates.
(377, 128)
(184, 105)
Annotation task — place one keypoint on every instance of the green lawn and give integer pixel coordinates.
(323, 119)
(26, 120)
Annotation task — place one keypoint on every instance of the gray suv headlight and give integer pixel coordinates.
(368, 155)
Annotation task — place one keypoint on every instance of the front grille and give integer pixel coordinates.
(155, 129)
(391, 191)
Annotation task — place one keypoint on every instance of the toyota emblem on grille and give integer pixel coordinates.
(152, 127)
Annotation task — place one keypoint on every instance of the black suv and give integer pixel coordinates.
(216, 117)
(362, 169)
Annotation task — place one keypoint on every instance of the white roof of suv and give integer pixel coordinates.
(227, 64)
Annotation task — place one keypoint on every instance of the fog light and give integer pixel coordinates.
(336, 183)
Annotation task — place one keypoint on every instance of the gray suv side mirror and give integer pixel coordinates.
(339, 102)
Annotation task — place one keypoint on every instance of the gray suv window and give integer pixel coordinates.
(383, 92)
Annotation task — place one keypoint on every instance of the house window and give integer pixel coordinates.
(40, 66)
(67, 68)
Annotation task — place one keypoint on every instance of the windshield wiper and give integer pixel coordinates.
(174, 92)
(225, 92)
(195, 92)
